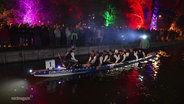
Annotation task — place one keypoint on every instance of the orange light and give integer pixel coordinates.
(160, 16)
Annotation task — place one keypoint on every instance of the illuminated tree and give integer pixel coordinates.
(109, 16)
(30, 11)
(8, 16)
(153, 25)
(139, 13)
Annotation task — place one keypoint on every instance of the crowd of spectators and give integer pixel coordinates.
(48, 36)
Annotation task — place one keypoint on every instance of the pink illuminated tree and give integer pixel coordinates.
(31, 11)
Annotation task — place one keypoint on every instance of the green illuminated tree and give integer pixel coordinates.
(109, 16)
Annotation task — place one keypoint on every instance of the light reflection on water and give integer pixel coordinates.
(119, 85)
(15, 89)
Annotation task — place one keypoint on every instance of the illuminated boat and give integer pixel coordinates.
(59, 72)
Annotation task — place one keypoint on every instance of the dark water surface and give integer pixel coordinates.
(161, 84)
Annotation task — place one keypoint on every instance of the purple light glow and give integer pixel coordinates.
(31, 10)
(153, 25)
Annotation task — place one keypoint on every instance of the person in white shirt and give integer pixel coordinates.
(68, 36)
(57, 34)
(70, 59)
(92, 59)
(117, 56)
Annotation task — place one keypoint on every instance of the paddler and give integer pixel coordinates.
(92, 59)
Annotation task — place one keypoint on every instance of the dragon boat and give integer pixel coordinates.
(61, 71)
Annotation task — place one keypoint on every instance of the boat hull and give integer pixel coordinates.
(68, 72)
